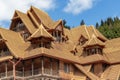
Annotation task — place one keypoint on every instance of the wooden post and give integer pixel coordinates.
(42, 44)
(61, 36)
(14, 65)
(6, 69)
(32, 67)
(23, 70)
(51, 67)
(42, 65)
(14, 72)
(57, 35)
(58, 67)
(54, 33)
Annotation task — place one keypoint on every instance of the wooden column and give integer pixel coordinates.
(32, 67)
(42, 44)
(61, 36)
(51, 66)
(42, 60)
(14, 65)
(54, 33)
(6, 69)
(58, 68)
(14, 72)
(57, 35)
(23, 70)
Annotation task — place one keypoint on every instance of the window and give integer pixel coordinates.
(57, 35)
(41, 44)
(25, 35)
(66, 68)
(93, 50)
(82, 41)
(19, 27)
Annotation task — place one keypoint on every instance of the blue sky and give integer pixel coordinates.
(73, 11)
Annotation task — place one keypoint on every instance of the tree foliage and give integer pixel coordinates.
(82, 22)
(64, 24)
(110, 28)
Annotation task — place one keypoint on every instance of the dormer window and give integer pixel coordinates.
(82, 40)
(58, 35)
(39, 44)
(41, 38)
(25, 35)
(93, 46)
(93, 50)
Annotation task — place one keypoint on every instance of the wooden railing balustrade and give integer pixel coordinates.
(29, 73)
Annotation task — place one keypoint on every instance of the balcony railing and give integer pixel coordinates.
(29, 74)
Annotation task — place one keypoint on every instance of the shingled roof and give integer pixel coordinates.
(26, 20)
(41, 32)
(19, 48)
(86, 31)
(93, 41)
(45, 19)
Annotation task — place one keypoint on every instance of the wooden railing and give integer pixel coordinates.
(37, 71)
(27, 74)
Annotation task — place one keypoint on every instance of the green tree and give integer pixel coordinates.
(64, 24)
(110, 28)
(97, 25)
(82, 23)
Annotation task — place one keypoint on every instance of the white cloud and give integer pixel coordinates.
(7, 7)
(78, 6)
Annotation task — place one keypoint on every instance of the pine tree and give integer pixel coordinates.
(97, 25)
(102, 22)
(64, 24)
(82, 23)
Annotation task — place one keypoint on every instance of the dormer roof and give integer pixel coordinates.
(94, 41)
(41, 32)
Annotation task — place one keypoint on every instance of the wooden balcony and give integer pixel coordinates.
(29, 74)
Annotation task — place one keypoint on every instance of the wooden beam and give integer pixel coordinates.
(42, 65)
(14, 65)
(6, 69)
(15, 18)
(32, 67)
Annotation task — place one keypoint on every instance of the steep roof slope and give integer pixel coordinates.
(14, 42)
(26, 20)
(41, 32)
(112, 73)
(45, 19)
(85, 31)
(112, 50)
(93, 41)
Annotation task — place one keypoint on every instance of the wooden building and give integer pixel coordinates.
(37, 48)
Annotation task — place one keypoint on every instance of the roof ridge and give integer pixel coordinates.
(87, 31)
(33, 18)
(94, 30)
(93, 36)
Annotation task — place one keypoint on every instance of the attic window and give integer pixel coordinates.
(25, 35)
(41, 44)
(92, 50)
(57, 35)
(19, 27)
(82, 40)
(66, 68)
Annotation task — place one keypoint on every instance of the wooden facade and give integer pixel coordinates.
(38, 48)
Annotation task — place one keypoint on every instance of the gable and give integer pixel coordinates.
(4, 50)
(59, 27)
